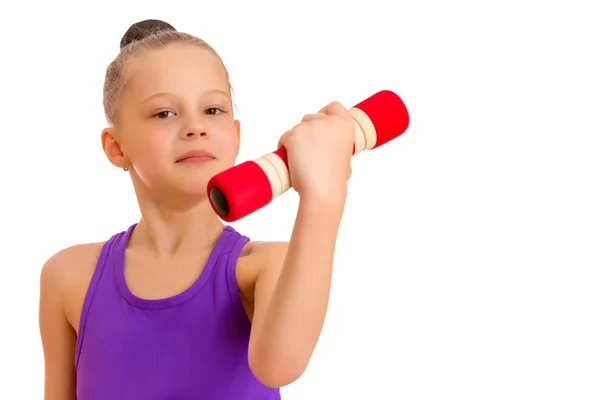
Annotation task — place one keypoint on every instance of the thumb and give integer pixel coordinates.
(283, 139)
(335, 108)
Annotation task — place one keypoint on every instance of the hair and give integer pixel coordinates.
(143, 35)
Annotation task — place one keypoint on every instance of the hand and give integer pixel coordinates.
(319, 150)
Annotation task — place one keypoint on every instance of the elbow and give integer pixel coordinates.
(275, 378)
(276, 372)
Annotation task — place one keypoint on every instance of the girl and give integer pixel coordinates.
(179, 306)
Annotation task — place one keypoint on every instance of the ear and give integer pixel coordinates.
(112, 148)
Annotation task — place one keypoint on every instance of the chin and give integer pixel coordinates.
(192, 180)
(195, 186)
(196, 183)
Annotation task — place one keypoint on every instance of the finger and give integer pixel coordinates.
(326, 109)
(313, 117)
(335, 108)
(283, 139)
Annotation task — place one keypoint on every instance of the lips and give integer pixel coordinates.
(196, 156)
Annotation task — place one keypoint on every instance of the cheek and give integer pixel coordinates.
(232, 146)
(151, 155)
(152, 146)
(153, 165)
(227, 143)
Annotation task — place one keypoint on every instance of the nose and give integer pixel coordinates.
(194, 133)
(195, 129)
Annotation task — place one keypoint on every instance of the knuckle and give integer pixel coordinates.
(300, 128)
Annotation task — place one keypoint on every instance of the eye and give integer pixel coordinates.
(213, 111)
(163, 114)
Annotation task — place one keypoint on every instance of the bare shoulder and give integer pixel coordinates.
(258, 259)
(67, 273)
(64, 279)
(261, 253)
(258, 256)
(68, 263)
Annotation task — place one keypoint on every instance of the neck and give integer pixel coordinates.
(168, 229)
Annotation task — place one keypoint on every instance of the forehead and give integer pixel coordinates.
(176, 67)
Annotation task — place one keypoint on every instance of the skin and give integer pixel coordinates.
(177, 99)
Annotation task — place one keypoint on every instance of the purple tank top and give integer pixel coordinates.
(193, 345)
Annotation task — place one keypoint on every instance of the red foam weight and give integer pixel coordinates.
(388, 113)
(282, 153)
(243, 190)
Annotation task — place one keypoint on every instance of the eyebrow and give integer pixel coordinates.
(161, 94)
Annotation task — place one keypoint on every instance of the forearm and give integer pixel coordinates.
(294, 319)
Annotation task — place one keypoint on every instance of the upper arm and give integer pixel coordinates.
(268, 261)
(57, 336)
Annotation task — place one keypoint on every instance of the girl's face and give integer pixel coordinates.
(176, 100)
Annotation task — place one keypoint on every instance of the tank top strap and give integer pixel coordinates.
(231, 254)
(103, 263)
(235, 243)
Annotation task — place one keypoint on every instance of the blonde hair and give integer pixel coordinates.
(147, 34)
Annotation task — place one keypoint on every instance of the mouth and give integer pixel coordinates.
(196, 156)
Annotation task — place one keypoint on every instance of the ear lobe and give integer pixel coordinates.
(111, 147)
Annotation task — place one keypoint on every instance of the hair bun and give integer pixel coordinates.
(145, 28)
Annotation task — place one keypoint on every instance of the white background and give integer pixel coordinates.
(468, 260)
